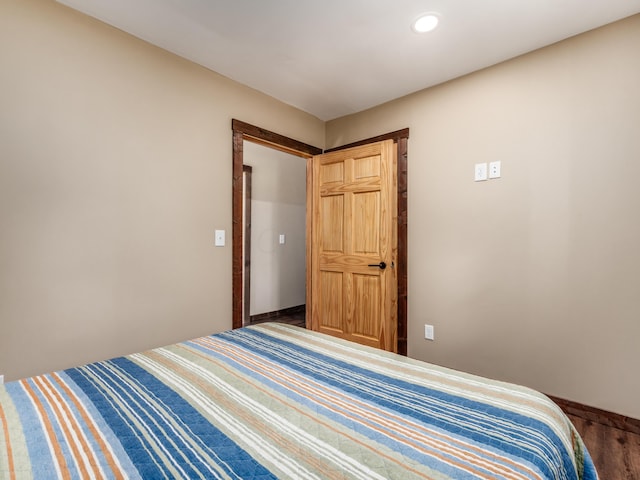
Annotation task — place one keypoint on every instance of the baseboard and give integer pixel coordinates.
(597, 415)
(263, 317)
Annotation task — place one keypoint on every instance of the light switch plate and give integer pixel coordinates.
(494, 170)
(220, 240)
(428, 332)
(480, 172)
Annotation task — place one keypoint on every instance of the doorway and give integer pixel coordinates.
(274, 241)
(244, 131)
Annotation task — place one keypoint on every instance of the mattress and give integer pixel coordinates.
(277, 401)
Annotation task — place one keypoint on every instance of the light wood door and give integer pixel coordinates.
(354, 225)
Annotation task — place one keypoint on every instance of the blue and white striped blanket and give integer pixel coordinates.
(275, 401)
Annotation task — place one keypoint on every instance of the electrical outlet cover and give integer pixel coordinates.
(480, 170)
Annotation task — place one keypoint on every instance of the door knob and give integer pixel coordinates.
(380, 265)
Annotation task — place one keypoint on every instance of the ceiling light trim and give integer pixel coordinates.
(426, 22)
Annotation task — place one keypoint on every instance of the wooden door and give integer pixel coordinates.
(353, 235)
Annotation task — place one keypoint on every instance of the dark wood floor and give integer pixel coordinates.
(297, 318)
(615, 452)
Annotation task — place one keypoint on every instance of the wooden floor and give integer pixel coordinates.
(615, 452)
(297, 319)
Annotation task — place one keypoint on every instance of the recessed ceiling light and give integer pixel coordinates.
(425, 23)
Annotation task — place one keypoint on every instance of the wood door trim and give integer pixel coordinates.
(274, 140)
(244, 131)
(248, 170)
(395, 136)
(400, 137)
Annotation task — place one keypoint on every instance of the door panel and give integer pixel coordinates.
(366, 167)
(331, 296)
(366, 295)
(332, 225)
(331, 173)
(366, 223)
(353, 230)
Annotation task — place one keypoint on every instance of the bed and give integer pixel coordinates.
(278, 401)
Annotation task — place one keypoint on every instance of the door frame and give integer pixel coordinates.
(247, 172)
(244, 131)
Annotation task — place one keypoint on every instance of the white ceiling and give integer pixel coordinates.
(335, 57)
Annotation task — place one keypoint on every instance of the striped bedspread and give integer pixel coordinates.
(275, 401)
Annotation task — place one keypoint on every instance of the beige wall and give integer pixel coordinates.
(115, 169)
(535, 277)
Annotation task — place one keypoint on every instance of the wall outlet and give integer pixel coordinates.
(1, 379)
(428, 332)
(480, 172)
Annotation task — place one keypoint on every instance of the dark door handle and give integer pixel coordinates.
(380, 265)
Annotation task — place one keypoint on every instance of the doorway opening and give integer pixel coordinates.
(255, 136)
(244, 131)
(274, 236)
